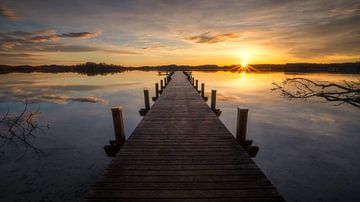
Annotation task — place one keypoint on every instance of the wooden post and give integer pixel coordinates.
(242, 115)
(193, 81)
(197, 85)
(147, 100)
(161, 85)
(118, 121)
(213, 100)
(157, 90)
(202, 90)
(165, 81)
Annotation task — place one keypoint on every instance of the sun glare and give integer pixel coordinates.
(244, 63)
(244, 59)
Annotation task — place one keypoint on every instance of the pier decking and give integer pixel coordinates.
(181, 151)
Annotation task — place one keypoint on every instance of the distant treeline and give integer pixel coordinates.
(90, 68)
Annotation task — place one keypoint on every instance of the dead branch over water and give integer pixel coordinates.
(302, 88)
(19, 129)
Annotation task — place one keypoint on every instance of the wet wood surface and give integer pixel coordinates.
(181, 151)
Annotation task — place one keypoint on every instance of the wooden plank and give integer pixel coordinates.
(181, 151)
(183, 194)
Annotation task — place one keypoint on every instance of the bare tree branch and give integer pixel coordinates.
(18, 129)
(302, 88)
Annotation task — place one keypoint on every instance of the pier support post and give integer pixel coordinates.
(203, 91)
(161, 85)
(143, 111)
(147, 100)
(197, 85)
(213, 99)
(193, 81)
(213, 103)
(118, 122)
(242, 116)
(156, 92)
(165, 81)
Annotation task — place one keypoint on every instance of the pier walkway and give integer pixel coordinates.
(181, 151)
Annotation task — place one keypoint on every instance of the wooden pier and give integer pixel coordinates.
(181, 151)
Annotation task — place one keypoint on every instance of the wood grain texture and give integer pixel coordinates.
(181, 151)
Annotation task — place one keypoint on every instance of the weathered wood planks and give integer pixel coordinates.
(181, 151)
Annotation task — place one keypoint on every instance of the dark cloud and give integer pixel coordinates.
(210, 39)
(8, 13)
(18, 55)
(43, 36)
(44, 41)
(23, 34)
(80, 35)
(22, 45)
(67, 48)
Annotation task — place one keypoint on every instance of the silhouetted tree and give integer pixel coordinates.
(302, 88)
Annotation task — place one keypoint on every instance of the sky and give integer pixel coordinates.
(159, 32)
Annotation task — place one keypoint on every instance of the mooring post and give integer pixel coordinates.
(147, 100)
(161, 86)
(197, 85)
(143, 111)
(213, 100)
(202, 90)
(242, 116)
(118, 121)
(213, 103)
(156, 92)
(193, 81)
(165, 81)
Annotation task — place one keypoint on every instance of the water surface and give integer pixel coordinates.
(309, 150)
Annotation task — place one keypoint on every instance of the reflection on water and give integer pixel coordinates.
(309, 150)
(305, 89)
(18, 130)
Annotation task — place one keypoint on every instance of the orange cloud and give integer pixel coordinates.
(8, 13)
(80, 35)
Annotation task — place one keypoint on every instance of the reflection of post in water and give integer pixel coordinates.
(19, 129)
(302, 88)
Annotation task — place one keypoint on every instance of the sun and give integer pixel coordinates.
(244, 63)
(244, 59)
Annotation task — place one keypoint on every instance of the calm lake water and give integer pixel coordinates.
(309, 150)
